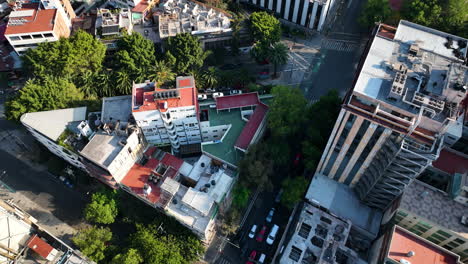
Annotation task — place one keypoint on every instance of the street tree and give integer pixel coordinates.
(240, 196)
(456, 17)
(265, 28)
(294, 189)
(211, 77)
(102, 209)
(184, 53)
(140, 50)
(278, 55)
(375, 11)
(285, 122)
(48, 93)
(131, 256)
(256, 168)
(66, 58)
(162, 73)
(156, 248)
(92, 242)
(424, 12)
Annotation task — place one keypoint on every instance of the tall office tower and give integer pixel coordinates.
(405, 105)
(167, 116)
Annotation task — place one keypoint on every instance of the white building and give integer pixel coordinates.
(109, 23)
(311, 14)
(34, 22)
(167, 116)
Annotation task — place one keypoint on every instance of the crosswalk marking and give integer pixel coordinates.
(338, 45)
(223, 261)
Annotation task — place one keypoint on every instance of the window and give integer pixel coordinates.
(37, 36)
(295, 254)
(215, 130)
(215, 136)
(48, 35)
(224, 129)
(326, 220)
(304, 230)
(444, 234)
(15, 38)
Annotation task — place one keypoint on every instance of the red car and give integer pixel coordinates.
(261, 234)
(252, 256)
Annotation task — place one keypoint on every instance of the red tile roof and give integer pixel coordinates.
(41, 20)
(172, 161)
(425, 252)
(146, 102)
(236, 101)
(136, 179)
(40, 246)
(252, 126)
(141, 7)
(451, 162)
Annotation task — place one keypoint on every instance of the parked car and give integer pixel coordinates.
(261, 259)
(271, 237)
(252, 256)
(261, 234)
(270, 215)
(216, 95)
(252, 231)
(202, 97)
(278, 196)
(235, 92)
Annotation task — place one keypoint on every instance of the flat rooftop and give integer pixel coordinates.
(413, 66)
(403, 241)
(225, 150)
(434, 206)
(319, 238)
(341, 200)
(451, 162)
(53, 123)
(31, 18)
(103, 148)
(116, 108)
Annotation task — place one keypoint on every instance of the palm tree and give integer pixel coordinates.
(211, 77)
(86, 83)
(162, 73)
(278, 55)
(123, 82)
(103, 80)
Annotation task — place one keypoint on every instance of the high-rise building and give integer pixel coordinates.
(309, 13)
(406, 104)
(34, 22)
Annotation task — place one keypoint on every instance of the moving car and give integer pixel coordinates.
(216, 95)
(252, 256)
(261, 234)
(271, 237)
(252, 231)
(270, 215)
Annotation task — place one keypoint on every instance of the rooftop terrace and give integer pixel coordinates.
(413, 68)
(116, 108)
(434, 206)
(403, 241)
(103, 148)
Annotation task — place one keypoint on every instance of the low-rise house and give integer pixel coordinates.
(23, 241)
(34, 22)
(210, 24)
(112, 22)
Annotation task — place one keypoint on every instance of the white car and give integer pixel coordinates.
(270, 215)
(235, 92)
(202, 97)
(271, 237)
(252, 231)
(216, 95)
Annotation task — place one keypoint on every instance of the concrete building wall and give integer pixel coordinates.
(61, 28)
(124, 161)
(22, 42)
(307, 13)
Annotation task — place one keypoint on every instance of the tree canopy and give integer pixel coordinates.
(48, 93)
(256, 168)
(184, 53)
(131, 256)
(375, 11)
(265, 28)
(102, 209)
(287, 111)
(92, 242)
(278, 55)
(68, 57)
(294, 189)
(424, 12)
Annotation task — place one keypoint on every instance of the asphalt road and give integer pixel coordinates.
(46, 191)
